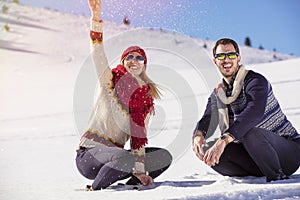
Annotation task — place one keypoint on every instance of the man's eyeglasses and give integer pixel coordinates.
(230, 55)
(139, 59)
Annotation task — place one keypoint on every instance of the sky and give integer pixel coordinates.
(273, 25)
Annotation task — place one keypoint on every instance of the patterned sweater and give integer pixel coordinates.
(110, 122)
(256, 106)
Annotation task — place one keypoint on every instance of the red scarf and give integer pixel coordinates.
(136, 101)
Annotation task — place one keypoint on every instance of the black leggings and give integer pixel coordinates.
(106, 165)
(260, 153)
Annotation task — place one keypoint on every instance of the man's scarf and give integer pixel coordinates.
(223, 100)
(136, 101)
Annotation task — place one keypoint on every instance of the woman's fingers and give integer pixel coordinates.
(145, 179)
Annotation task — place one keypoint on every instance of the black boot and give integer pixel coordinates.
(280, 176)
(133, 181)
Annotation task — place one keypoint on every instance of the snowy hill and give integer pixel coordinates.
(44, 64)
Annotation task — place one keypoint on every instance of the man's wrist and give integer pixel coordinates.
(225, 139)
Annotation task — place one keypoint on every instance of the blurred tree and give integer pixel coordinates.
(6, 27)
(4, 9)
(247, 42)
(261, 47)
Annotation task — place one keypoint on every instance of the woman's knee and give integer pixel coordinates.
(159, 154)
(167, 155)
(87, 165)
(157, 159)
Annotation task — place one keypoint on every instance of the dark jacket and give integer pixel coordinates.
(256, 106)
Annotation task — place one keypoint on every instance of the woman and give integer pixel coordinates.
(121, 113)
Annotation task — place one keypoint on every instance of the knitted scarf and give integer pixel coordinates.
(223, 100)
(136, 101)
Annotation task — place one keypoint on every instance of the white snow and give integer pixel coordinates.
(43, 60)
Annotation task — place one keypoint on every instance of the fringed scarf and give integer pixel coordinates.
(136, 101)
(223, 100)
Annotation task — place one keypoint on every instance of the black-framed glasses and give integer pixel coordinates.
(230, 55)
(139, 59)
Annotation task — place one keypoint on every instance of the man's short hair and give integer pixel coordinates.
(225, 41)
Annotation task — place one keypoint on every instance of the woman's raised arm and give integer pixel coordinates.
(96, 35)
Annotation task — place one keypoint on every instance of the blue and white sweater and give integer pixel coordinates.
(256, 106)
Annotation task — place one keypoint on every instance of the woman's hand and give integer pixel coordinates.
(95, 8)
(144, 178)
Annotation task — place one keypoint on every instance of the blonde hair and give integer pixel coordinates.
(154, 89)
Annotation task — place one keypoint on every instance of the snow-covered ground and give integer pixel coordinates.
(44, 84)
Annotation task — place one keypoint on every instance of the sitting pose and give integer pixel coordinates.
(121, 113)
(256, 137)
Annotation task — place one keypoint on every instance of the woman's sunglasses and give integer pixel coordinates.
(230, 55)
(139, 59)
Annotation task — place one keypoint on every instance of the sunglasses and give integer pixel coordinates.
(230, 55)
(139, 59)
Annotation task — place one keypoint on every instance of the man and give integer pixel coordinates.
(256, 137)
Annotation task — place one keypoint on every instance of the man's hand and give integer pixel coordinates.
(95, 8)
(212, 155)
(198, 144)
(144, 178)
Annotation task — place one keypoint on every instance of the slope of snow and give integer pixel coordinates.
(44, 58)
